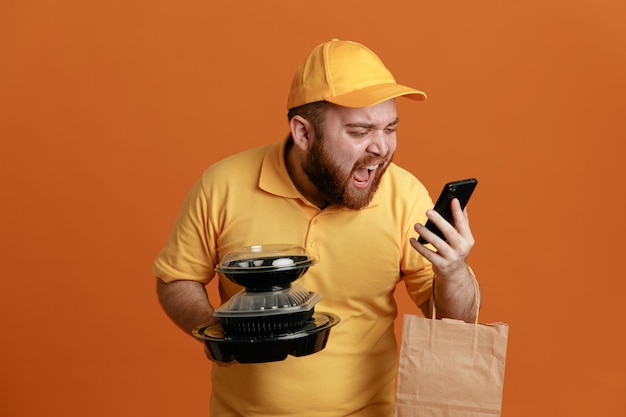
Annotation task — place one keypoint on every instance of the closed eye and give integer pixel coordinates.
(359, 133)
(360, 130)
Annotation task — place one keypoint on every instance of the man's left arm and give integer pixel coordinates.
(455, 294)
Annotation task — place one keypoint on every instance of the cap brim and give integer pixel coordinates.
(370, 96)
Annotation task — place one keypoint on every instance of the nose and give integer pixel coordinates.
(380, 143)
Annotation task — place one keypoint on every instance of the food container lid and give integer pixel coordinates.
(251, 304)
(266, 267)
(259, 258)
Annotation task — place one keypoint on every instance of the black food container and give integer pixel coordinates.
(309, 339)
(267, 313)
(263, 268)
(272, 317)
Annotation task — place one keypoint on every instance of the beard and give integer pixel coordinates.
(335, 182)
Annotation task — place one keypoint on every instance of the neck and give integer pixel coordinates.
(293, 162)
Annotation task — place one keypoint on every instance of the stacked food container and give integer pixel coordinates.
(272, 317)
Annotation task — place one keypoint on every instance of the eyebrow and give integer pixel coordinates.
(370, 125)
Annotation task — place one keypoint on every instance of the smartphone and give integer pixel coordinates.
(462, 190)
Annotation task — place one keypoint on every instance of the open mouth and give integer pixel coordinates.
(363, 176)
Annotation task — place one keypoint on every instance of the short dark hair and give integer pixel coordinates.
(313, 112)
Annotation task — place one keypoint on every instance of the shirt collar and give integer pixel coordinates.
(274, 176)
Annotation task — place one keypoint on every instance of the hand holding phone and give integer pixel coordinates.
(461, 190)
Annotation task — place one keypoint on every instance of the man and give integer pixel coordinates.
(332, 188)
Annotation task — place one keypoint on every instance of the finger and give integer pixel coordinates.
(447, 229)
(460, 216)
(426, 234)
(454, 247)
(441, 248)
(433, 256)
(461, 224)
(441, 264)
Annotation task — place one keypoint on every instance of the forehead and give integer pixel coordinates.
(381, 114)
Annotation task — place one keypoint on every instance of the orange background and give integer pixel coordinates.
(109, 111)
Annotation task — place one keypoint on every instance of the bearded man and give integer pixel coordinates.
(332, 188)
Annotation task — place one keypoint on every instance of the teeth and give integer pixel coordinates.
(372, 167)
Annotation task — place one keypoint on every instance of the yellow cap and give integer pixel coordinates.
(347, 74)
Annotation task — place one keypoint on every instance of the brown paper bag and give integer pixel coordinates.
(449, 368)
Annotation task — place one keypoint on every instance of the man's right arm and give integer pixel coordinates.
(185, 302)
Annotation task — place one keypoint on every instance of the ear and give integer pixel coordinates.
(301, 132)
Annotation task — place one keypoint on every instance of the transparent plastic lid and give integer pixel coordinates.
(251, 304)
(258, 258)
(266, 267)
